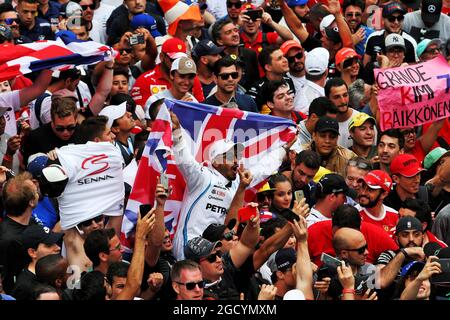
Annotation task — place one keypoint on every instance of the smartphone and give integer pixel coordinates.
(144, 209)
(245, 213)
(323, 272)
(445, 264)
(136, 39)
(299, 195)
(19, 126)
(289, 215)
(329, 261)
(164, 180)
(254, 14)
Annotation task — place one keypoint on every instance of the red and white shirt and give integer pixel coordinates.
(387, 219)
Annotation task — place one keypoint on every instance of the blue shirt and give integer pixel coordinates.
(40, 31)
(45, 213)
(52, 13)
(360, 48)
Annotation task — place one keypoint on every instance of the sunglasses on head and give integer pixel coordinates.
(10, 21)
(359, 250)
(349, 62)
(213, 257)
(87, 223)
(68, 128)
(298, 56)
(90, 6)
(237, 5)
(226, 76)
(192, 285)
(392, 19)
(360, 165)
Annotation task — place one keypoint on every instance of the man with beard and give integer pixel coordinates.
(337, 91)
(234, 9)
(353, 11)
(375, 187)
(205, 54)
(362, 132)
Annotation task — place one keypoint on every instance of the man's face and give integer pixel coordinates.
(167, 244)
(182, 83)
(264, 200)
(353, 16)
(63, 128)
(252, 27)
(327, 43)
(211, 60)
(94, 225)
(234, 8)
(189, 276)
(408, 184)
(289, 278)
(424, 290)
(27, 13)
(363, 135)
(117, 286)
(295, 64)
(119, 85)
(302, 175)
(410, 137)
(14, 25)
(353, 175)
(368, 197)
(72, 84)
(44, 250)
(279, 63)
(126, 122)
(410, 238)
(357, 253)
(339, 96)
(283, 100)
(229, 85)
(88, 9)
(227, 164)
(282, 196)
(388, 149)
(325, 142)
(229, 242)
(338, 200)
(188, 27)
(107, 136)
(302, 12)
(135, 6)
(115, 250)
(229, 36)
(139, 51)
(394, 23)
(211, 270)
(431, 52)
(80, 32)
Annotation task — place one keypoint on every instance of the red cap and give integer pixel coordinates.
(377, 179)
(288, 45)
(248, 6)
(344, 54)
(406, 165)
(172, 46)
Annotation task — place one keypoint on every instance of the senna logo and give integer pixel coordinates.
(95, 162)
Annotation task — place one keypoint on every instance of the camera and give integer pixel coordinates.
(136, 39)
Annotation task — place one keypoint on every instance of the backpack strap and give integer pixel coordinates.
(38, 106)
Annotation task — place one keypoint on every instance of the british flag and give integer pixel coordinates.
(203, 124)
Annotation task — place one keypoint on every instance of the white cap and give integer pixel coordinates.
(316, 61)
(54, 173)
(294, 294)
(222, 146)
(394, 40)
(326, 22)
(114, 112)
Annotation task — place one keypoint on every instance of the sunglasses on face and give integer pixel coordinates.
(10, 21)
(432, 50)
(298, 56)
(353, 14)
(392, 19)
(127, 50)
(213, 257)
(237, 5)
(229, 235)
(191, 285)
(68, 128)
(90, 6)
(359, 250)
(260, 197)
(118, 247)
(87, 223)
(408, 131)
(349, 62)
(226, 76)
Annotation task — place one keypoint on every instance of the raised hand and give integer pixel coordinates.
(155, 281)
(301, 208)
(268, 292)
(300, 230)
(245, 176)
(145, 225)
(430, 268)
(345, 276)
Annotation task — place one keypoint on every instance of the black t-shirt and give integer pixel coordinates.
(256, 91)
(250, 73)
(166, 292)
(25, 284)
(394, 201)
(375, 44)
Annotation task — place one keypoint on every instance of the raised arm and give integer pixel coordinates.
(334, 8)
(283, 32)
(412, 289)
(246, 178)
(293, 22)
(247, 242)
(39, 86)
(429, 137)
(148, 60)
(103, 89)
(304, 272)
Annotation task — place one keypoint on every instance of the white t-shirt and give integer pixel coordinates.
(10, 99)
(96, 184)
(218, 8)
(344, 134)
(300, 102)
(98, 32)
(414, 25)
(312, 91)
(315, 216)
(101, 15)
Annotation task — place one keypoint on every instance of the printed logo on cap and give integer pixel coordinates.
(46, 230)
(210, 44)
(179, 47)
(189, 64)
(431, 8)
(395, 39)
(409, 225)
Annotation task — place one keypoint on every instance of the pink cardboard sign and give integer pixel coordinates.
(413, 95)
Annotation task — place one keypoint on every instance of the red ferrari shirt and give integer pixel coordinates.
(257, 45)
(387, 220)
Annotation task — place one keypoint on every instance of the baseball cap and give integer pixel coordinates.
(391, 8)
(294, 294)
(344, 54)
(36, 163)
(222, 146)
(184, 65)
(359, 119)
(288, 45)
(199, 247)
(377, 179)
(35, 234)
(406, 165)
(432, 249)
(206, 47)
(214, 232)
(266, 188)
(431, 11)
(394, 40)
(326, 22)
(5, 32)
(433, 156)
(333, 183)
(316, 61)
(332, 34)
(114, 112)
(282, 260)
(410, 267)
(425, 43)
(293, 3)
(173, 47)
(147, 21)
(408, 223)
(327, 124)
(3, 110)
(70, 9)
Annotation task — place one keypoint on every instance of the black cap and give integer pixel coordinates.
(206, 47)
(432, 249)
(283, 259)
(35, 234)
(214, 232)
(408, 223)
(333, 183)
(327, 124)
(390, 8)
(199, 247)
(333, 34)
(431, 11)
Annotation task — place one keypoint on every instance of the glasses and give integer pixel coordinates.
(353, 14)
(192, 285)
(87, 223)
(262, 196)
(68, 128)
(237, 5)
(432, 50)
(392, 19)
(90, 6)
(360, 165)
(359, 250)
(226, 76)
(127, 50)
(229, 236)
(10, 21)
(298, 56)
(213, 257)
(349, 62)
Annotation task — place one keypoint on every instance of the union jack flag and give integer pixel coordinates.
(203, 124)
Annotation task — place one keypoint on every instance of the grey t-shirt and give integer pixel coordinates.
(414, 25)
(441, 225)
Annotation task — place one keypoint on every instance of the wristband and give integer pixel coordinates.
(7, 158)
(404, 253)
(109, 68)
(351, 291)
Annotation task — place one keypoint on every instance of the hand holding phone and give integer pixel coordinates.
(299, 195)
(164, 179)
(254, 14)
(289, 215)
(144, 209)
(331, 262)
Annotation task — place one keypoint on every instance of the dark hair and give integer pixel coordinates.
(92, 287)
(217, 28)
(121, 71)
(355, 3)
(321, 106)
(334, 82)
(97, 242)
(268, 227)
(179, 266)
(41, 289)
(278, 178)
(49, 269)
(154, 108)
(315, 77)
(318, 11)
(17, 195)
(309, 158)
(6, 7)
(117, 269)
(92, 128)
(394, 133)
(28, 1)
(120, 97)
(346, 216)
(264, 56)
(224, 63)
(421, 208)
(269, 88)
(77, 22)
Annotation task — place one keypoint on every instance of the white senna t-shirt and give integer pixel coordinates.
(96, 184)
